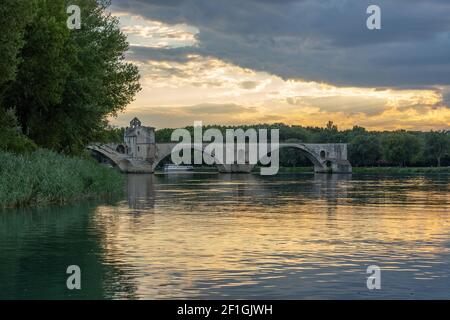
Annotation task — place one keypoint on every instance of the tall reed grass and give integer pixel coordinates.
(43, 177)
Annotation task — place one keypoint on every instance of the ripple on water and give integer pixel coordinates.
(239, 236)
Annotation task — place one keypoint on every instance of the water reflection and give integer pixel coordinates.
(37, 246)
(140, 192)
(209, 236)
(238, 236)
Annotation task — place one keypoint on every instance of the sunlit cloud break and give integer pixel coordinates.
(156, 34)
(182, 83)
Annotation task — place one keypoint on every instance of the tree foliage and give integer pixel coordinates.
(11, 137)
(401, 148)
(14, 15)
(437, 145)
(70, 81)
(364, 150)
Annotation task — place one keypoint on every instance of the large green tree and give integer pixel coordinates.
(71, 81)
(401, 147)
(14, 15)
(364, 149)
(37, 92)
(100, 83)
(437, 145)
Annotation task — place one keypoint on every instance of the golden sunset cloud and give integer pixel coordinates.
(196, 87)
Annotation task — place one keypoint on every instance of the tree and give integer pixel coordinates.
(11, 137)
(14, 15)
(98, 71)
(364, 150)
(41, 78)
(401, 147)
(70, 82)
(330, 134)
(437, 145)
(331, 126)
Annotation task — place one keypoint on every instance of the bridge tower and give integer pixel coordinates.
(140, 142)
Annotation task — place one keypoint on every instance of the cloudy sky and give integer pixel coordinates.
(294, 61)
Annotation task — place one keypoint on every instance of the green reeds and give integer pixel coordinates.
(43, 177)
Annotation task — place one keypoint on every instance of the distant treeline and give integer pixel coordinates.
(366, 148)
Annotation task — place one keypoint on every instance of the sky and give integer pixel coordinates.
(301, 62)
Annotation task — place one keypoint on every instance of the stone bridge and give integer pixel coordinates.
(124, 162)
(326, 158)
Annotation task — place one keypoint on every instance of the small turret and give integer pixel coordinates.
(135, 123)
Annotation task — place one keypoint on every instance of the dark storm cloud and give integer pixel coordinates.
(317, 40)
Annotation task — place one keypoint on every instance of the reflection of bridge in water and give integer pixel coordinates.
(141, 154)
(144, 191)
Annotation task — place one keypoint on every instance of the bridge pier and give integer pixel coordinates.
(143, 169)
(337, 166)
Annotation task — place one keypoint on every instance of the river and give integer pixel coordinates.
(293, 236)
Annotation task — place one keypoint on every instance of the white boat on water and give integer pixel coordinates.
(176, 168)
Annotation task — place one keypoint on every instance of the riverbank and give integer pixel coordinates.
(377, 170)
(401, 170)
(358, 170)
(44, 177)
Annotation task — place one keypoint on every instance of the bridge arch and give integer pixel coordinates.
(122, 163)
(318, 160)
(165, 149)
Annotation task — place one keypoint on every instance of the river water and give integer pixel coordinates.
(295, 236)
